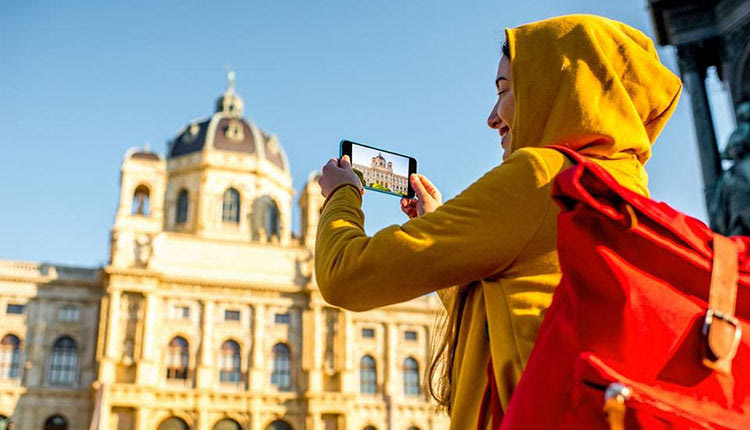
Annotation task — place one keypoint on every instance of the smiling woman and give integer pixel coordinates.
(589, 83)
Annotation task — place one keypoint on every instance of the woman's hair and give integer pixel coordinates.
(506, 49)
(440, 370)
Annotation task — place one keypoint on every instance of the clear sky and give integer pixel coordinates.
(81, 82)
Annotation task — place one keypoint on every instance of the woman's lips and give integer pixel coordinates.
(504, 132)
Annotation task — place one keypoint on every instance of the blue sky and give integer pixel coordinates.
(81, 82)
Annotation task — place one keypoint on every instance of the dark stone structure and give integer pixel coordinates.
(707, 33)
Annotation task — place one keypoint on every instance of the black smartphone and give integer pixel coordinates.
(381, 170)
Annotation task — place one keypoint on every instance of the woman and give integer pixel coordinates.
(586, 82)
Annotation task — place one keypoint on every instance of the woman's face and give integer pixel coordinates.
(501, 117)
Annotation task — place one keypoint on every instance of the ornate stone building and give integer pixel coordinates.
(207, 315)
(707, 33)
(380, 172)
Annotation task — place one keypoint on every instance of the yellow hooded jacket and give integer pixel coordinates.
(587, 82)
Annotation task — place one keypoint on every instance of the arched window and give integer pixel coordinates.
(367, 375)
(173, 423)
(181, 214)
(178, 359)
(10, 357)
(141, 201)
(230, 208)
(64, 363)
(413, 428)
(229, 362)
(411, 377)
(279, 425)
(56, 422)
(370, 428)
(265, 220)
(281, 376)
(227, 424)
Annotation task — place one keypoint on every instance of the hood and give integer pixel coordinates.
(589, 83)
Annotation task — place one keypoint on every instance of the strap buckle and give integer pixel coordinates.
(722, 364)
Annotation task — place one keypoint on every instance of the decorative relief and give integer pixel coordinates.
(143, 250)
(234, 131)
(329, 356)
(272, 146)
(191, 133)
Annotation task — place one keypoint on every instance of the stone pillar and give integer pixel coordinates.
(390, 374)
(203, 418)
(148, 365)
(313, 343)
(205, 362)
(36, 357)
(112, 347)
(313, 421)
(258, 376)
(143, 418)
(694, 76)
(349, 374)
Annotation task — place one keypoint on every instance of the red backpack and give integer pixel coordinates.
(648, 328)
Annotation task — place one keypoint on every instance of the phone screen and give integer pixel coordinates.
(381, 170)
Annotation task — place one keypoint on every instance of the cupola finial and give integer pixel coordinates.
(230, 78)
(229, 102)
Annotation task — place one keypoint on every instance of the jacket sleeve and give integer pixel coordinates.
(472, 236)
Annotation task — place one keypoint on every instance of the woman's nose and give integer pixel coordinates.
(493, 121)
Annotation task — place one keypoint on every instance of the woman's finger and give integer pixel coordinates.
(345, 162)
(429, 187)
(418, 187)
(333, 162)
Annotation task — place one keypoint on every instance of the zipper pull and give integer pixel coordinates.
(614, 404)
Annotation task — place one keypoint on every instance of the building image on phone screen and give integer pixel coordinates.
(386, 174)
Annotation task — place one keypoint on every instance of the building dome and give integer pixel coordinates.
(227, 130)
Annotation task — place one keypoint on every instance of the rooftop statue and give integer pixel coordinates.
(730, 209)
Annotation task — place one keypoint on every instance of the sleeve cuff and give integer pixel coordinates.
(358, 192)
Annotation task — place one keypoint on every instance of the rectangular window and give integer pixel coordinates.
(410, 335)
(281, 318)
(68, 313)
(368, 333)
(180, 312)
(15, 309)
(231, 315)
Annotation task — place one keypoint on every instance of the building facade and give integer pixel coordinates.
(707, 33)
(207, 315)
(380, 172)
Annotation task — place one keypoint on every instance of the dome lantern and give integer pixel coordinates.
(230, 103)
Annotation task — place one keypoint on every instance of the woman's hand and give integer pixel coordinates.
(428, 198)
(336, 173)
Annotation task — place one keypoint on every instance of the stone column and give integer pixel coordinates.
(148, 365)
(36, 356)
(349, 373)
(205, 362)
(203, 418)
(112, 346)
(313, 343)
(390, 373)
(390, 381)
(694, 76)
(142, 418)
(258, 377)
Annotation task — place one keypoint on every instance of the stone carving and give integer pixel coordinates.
(730, 208)
(142, 250)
